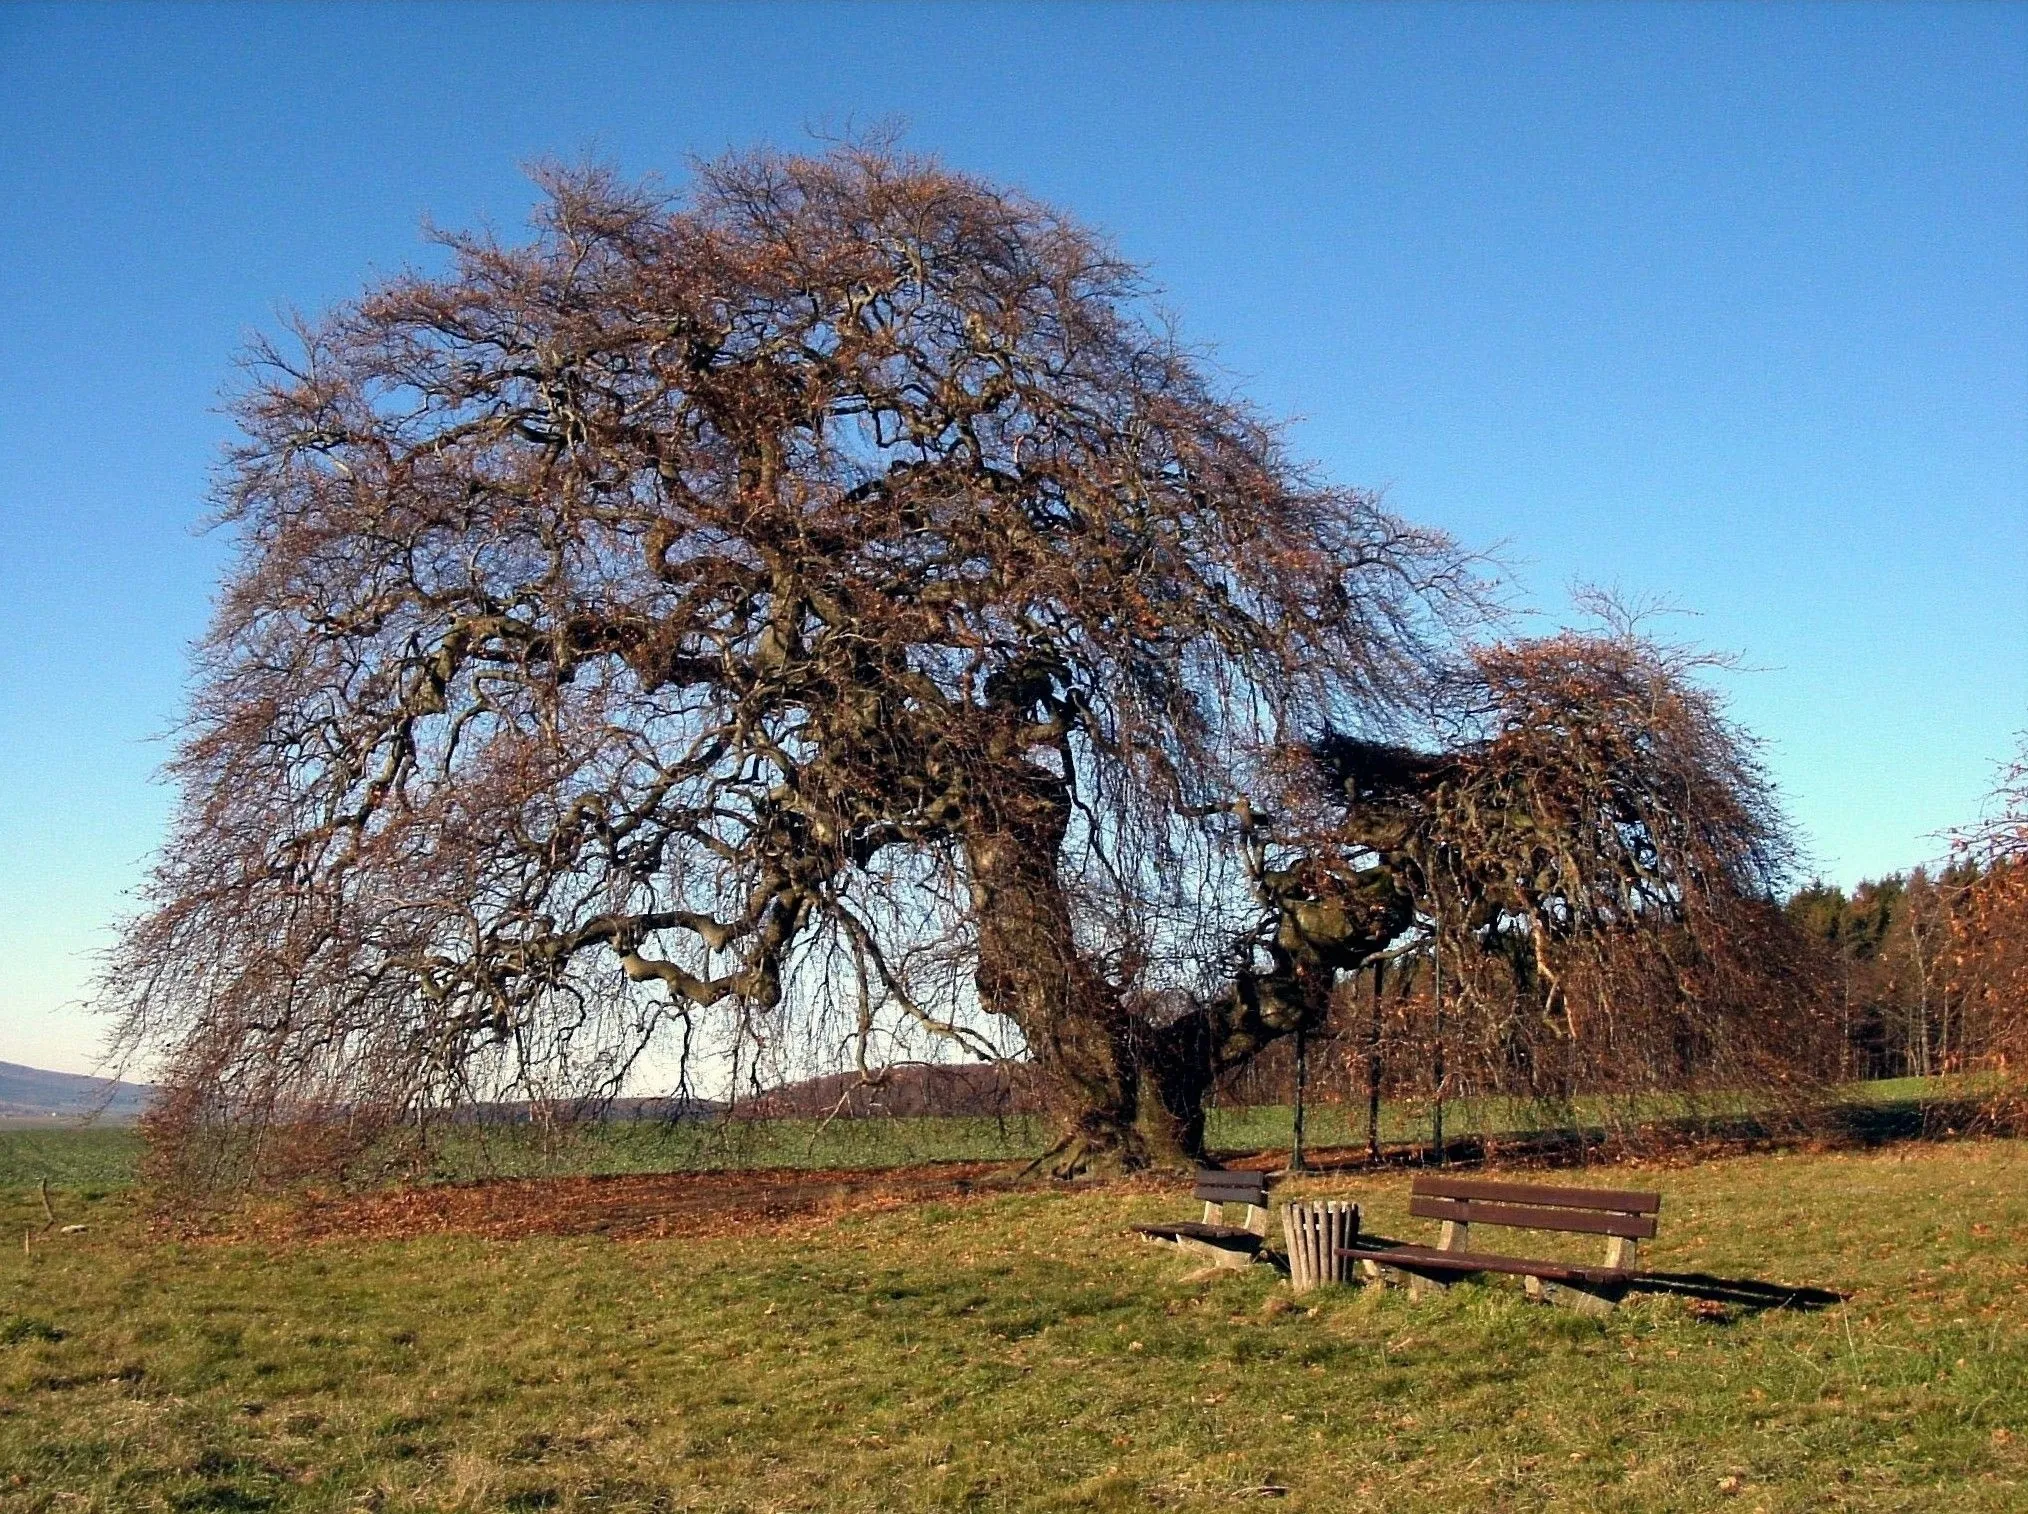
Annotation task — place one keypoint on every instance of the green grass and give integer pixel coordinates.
(1262, 1126)
(108, 1158)
(710, 1145)
(1019, 1351)
(98, 1158)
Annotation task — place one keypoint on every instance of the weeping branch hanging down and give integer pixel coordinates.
(1987, 969)
(1596, 860)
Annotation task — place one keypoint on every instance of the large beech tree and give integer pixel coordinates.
(824, 577)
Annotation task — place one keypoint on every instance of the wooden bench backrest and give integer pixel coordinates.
(1530, 1206)
(1215, 1187)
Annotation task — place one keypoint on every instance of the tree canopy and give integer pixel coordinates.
(831, 602)
(784, 578)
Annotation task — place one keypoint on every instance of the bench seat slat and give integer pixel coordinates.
(1233, 1187)
(1219, 1178)
(1532, 1217)
(1622, 1200)
(1428, 1258)
(1213, 1194)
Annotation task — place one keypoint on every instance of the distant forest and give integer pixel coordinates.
(1901, 1008)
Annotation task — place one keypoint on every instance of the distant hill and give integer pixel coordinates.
(915, 1088)
(32, 1095)
(29, 1093)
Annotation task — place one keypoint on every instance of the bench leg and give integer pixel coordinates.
(1584, 1300)
(1421, 1286)
(1218, 1256)
(1379, 1275)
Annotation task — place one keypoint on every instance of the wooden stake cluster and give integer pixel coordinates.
(1315, 1233)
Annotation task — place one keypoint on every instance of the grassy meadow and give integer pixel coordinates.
(108, 1157)
(1016, 1350)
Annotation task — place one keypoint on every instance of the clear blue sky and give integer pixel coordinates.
(1724, 305)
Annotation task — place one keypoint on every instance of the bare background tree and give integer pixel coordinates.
(1987, 963)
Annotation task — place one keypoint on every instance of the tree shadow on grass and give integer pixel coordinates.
(1723, 1298)
(1847, 1126)
(1748, 1295)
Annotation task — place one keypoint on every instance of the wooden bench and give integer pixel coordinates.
(1226, 1245)
(1624, 1217)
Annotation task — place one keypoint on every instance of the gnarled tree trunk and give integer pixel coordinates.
(1077, 1025)
(1129, 1091)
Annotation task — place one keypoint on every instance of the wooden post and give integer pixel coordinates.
(1373, 1067)
(1296, 1163)
(1437, 993)
(1296, 1236)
